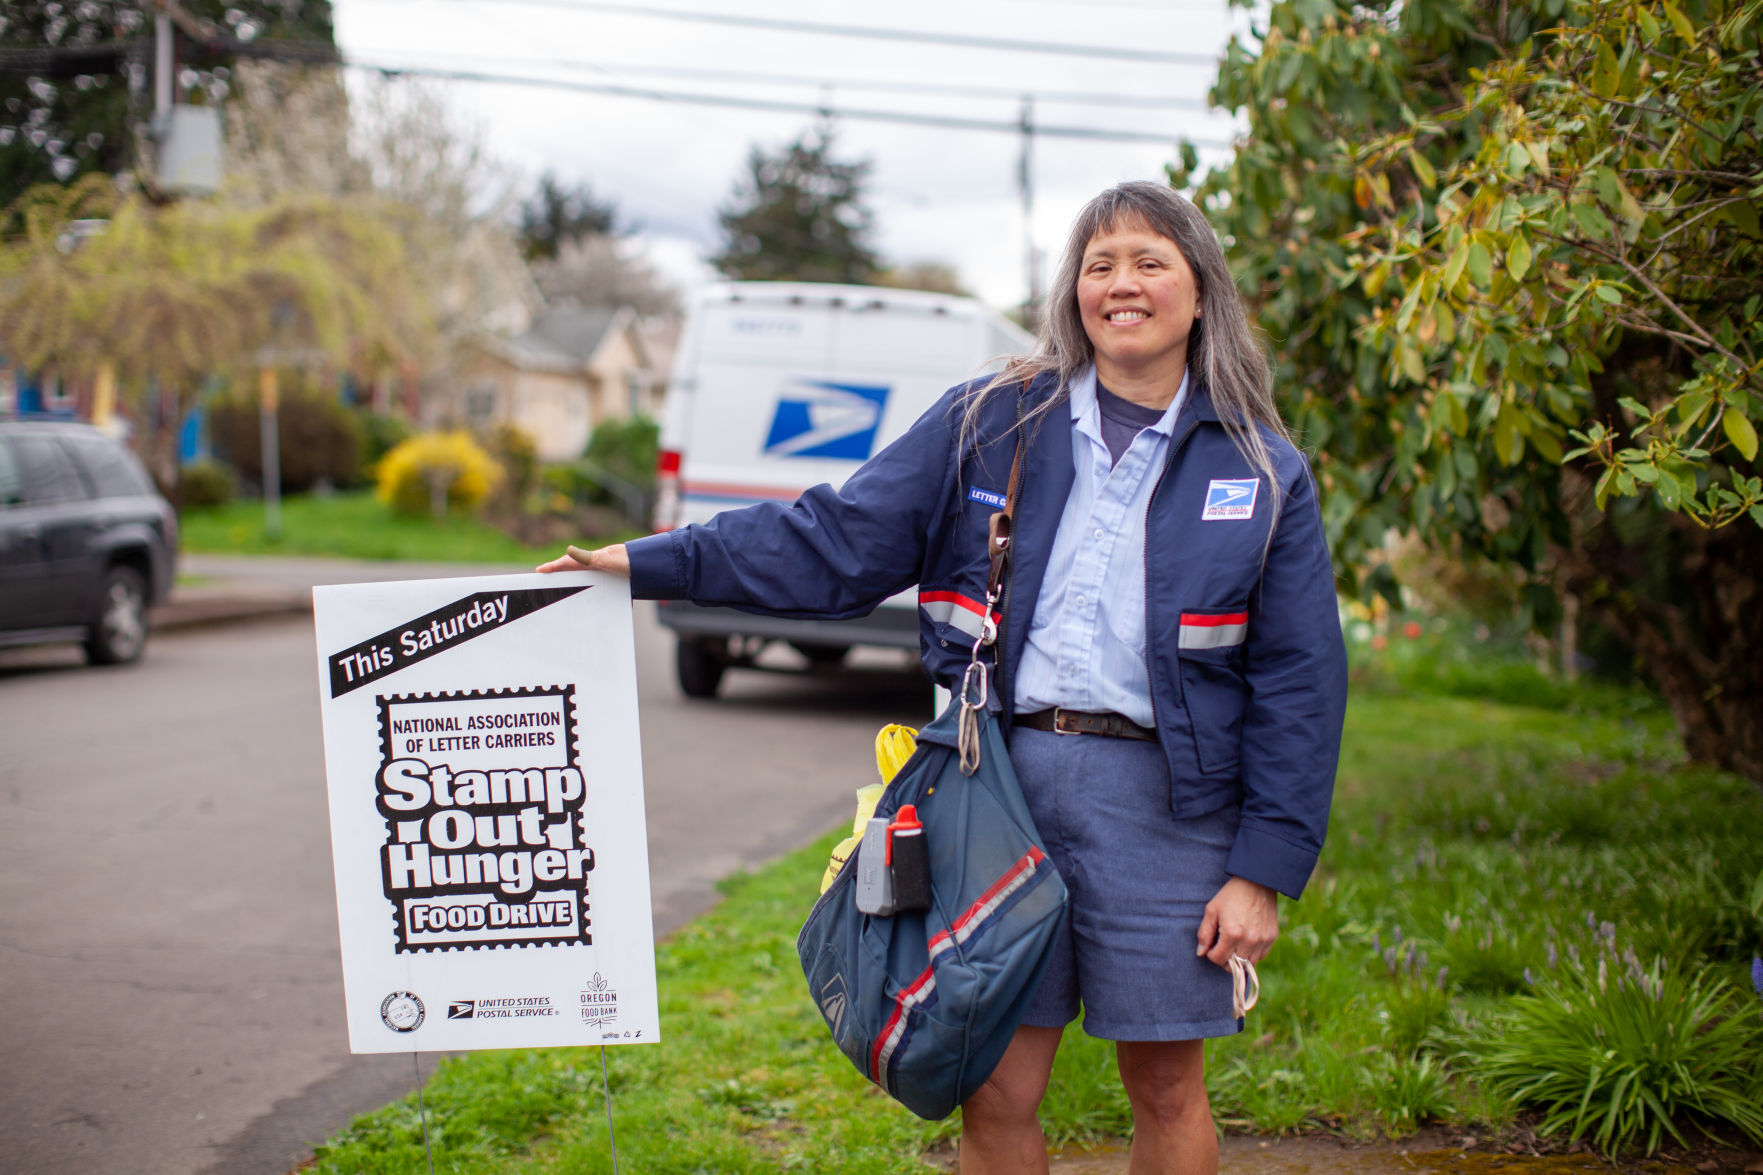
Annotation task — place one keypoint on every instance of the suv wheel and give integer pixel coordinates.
(700, 667)
(119, 631)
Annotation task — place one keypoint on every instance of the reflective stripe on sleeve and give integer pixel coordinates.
(955, 610)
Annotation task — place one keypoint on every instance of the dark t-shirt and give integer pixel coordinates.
(1122, 420)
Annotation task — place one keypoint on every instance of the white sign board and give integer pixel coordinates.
(487, 829)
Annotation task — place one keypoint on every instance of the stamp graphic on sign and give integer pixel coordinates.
(1227, 498)
(486, 841)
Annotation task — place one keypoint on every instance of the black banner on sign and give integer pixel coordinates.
(435, 632)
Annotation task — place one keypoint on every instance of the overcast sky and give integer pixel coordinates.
(939, 195)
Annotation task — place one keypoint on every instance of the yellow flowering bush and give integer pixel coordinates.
(435, 472)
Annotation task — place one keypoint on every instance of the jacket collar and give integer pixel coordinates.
(1198, 403)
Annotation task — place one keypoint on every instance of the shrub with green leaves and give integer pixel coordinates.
(318, 438)
(1610, 1050)
(625, 446)
(205, 484)
(380, 434)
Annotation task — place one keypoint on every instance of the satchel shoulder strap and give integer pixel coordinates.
(972, 699)
(1000, 528)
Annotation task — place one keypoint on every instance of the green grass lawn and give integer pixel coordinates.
(1481, 854)
(351, 525)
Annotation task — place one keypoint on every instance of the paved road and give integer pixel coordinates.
(168, 953)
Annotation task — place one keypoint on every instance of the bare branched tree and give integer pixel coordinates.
(600, 269)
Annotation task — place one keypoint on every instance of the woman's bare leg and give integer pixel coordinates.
(1172, 1131)
(1000, 1123)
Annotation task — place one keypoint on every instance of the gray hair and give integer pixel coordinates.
(1225, 352)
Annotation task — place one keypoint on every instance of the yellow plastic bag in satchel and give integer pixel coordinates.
(893, 746)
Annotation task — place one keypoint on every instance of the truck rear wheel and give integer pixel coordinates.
(821, 656)
(700, 667)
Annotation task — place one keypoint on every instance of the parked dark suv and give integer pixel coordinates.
(86, 542)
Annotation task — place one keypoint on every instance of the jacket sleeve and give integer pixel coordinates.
(831, 554)
(1296, 668)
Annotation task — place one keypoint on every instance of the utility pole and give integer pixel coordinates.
(270, 447)
(162, 66)
(1025, 182)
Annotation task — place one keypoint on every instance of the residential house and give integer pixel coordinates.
(572, 369)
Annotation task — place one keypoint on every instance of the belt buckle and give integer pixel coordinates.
(1059, 713)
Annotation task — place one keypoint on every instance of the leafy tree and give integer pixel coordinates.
(180, 293)
(1509, 257)
(409, 159)
(556, 215)
(933, 276)
(799, 215)
(76, 78)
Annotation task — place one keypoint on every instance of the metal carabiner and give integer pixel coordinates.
(967, 681)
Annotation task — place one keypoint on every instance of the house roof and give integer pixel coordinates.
(564, 338)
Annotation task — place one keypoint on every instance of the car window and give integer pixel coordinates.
(11, 483)
(49, 473)
(112, 469)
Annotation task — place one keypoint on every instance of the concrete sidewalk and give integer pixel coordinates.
(226, 588)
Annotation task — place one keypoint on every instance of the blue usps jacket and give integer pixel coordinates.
(1248, 672)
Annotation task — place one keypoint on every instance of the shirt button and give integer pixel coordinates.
(1079, 601)
(1099, 532)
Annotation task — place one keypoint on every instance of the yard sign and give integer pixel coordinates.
(486, 793)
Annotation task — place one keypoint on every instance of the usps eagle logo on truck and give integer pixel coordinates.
(820, 418)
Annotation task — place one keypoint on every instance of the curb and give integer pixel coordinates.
(201, 612)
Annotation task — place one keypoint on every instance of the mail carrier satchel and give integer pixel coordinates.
(924, 1002)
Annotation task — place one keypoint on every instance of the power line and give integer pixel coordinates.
(959, 40)
(946, 122)
(37, 60)
(875, 85)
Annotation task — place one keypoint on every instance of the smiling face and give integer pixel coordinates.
(1138, 299)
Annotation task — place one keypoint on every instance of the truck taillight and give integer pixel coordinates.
(667, 490)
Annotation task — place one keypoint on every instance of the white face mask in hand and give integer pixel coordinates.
(1245, 986)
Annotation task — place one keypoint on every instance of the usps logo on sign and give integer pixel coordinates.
(1230, 499)
(818, 418)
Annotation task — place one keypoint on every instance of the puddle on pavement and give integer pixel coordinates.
(1312, 1156)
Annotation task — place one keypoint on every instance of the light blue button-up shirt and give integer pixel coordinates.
(1086, 645)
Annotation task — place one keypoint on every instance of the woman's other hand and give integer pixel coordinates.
(612, 559)
(1241, 919)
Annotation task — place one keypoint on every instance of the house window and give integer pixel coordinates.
(480, 403)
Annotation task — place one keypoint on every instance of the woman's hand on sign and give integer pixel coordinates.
(1241, 919)
(612, 559)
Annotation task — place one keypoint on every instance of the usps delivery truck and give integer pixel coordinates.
(779, 386)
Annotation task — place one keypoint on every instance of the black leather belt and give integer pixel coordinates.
(1079, 722)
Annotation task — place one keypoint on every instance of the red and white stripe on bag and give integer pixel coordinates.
(1201, 630)
(955, 610)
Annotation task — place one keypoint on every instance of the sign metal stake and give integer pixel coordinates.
(422, 1111)
(606, 1088)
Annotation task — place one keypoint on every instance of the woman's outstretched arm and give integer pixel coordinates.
(611, 559)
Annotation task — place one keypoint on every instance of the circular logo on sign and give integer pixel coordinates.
(402, 1011)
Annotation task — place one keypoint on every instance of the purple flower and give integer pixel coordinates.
(1757, 974)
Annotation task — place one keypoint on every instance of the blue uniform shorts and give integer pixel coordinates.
(1139, 881)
